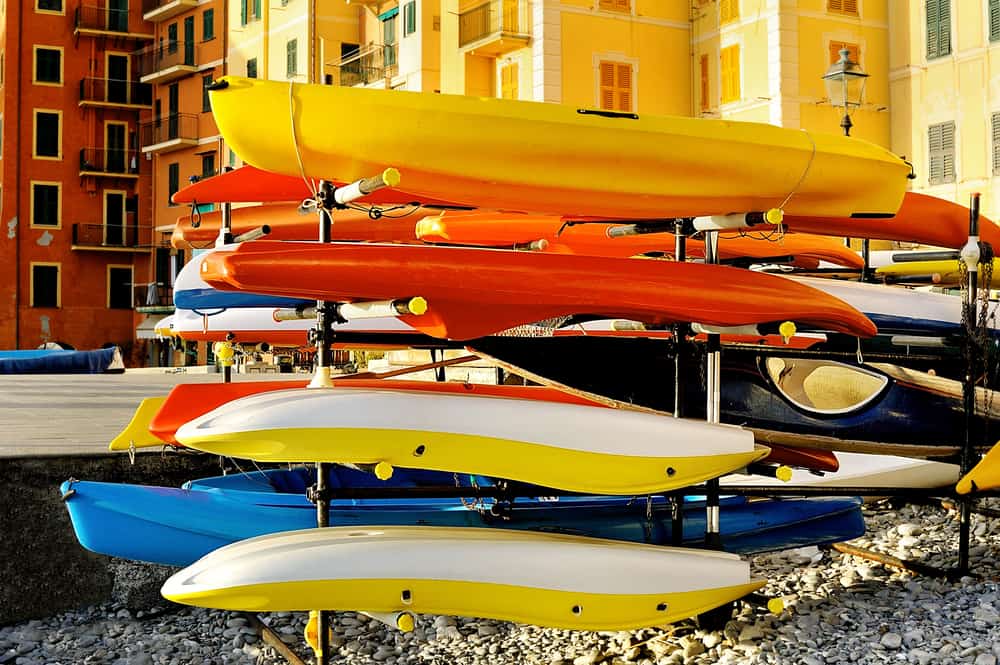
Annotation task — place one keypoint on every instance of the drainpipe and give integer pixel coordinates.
(314, 77)
(266, 38)
(18, 184)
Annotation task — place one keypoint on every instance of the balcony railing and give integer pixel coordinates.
(115, 92)
(112, 236)
(176, 127)
(110, 162)
(91, 18)
(164, 56)
(496, 18)
(375, 63)
(152, 297)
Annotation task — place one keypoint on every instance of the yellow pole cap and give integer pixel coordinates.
(417, 306)
(787, 330)
(391, 177)
(783, 473)
(776, 605)
(405, 622)
(774, 216)
(383, 471)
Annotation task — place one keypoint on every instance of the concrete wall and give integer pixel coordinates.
(43, 567)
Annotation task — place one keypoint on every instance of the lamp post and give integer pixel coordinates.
(845, 86)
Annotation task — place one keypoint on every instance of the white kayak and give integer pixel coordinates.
(538, 578)
(859, 470)
(554, 444)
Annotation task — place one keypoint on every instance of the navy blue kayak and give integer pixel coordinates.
(45, 361)
(178, 526)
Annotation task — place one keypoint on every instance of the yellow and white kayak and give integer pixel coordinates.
(566, 446)
(983, 477)
(944, 273)
(538, 578)
(548, 158)
(136, 434)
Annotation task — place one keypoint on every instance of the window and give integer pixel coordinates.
(729, 11)
(508, 81)
(938, 28)
(252, 68)
(119, 287)
(173, 181)
(45, 285)
(257, 13)
(615, 5)
(244, 12)
(730, 73)
(996, 143)
(409, 18)
(45, 204)
(49, 6)
(292, 53)
(703, 65)
(941, 153)
(48, 135)
(48, 65)
(232, 159)
(853, 51)
(208, 165)
(994, 20)
(208, 25)
(849, 7)
(615, 86)
(206, 83)
(172, 38)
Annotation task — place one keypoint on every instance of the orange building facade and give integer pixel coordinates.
(75, 195)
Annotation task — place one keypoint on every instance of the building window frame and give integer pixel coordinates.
(409, 18)
(941, 144)
(705, 102)
(292, 58)
(252, 71)
(729, 11)
(510, 73)
(616, 6)
(31, 204)
(173, 182)
(844, 7)
(941, 48)
(993, 20)
(31, 286)
(35, 49)
(208, 25)
(995, 133)
(731, 81)
(34, 134)
(107, 284)
(45, 10)
(601, 89)
(206, 84)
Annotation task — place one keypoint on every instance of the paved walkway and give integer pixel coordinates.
(59, 414)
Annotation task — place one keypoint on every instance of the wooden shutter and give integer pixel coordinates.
(938, 28)
(508, 81)
(729, 11)
(730, 73)
(843, 6)
(615, 5)
(941, 153)
(996, 144)
(994, 18)
(853, 51)
(615, 86)
(703, 63)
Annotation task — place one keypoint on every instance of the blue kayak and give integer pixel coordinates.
(46, 361)
(178, 526)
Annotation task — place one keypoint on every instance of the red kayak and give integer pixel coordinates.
(478, 292)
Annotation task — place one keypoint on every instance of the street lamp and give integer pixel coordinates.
(845, 86)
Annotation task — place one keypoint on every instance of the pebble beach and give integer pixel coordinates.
(838, 609)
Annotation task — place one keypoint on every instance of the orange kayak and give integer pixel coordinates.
(477, 292)
(185, 402)
(287, 224)
(923, 219)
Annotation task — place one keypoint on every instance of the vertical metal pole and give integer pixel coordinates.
(324, 338)
(971, 255)
(866, 255)
(676, 499)
(225, 238)
(713, 398)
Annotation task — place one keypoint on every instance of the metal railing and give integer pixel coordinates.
(155, 294)
(375, 63)
(91, 17)
(163, 56)
(511, 17)
(112, 235)
(109, 160)
(169, 128)
(116, 91)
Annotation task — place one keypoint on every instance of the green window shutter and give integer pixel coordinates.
(941, 153)
(257, 13)
(173, 181)
(994, 20)
(208, 25)
(996, 143)
(252, 68)
(410, 18)
(944, 27)
(292, 48)
(243, 12)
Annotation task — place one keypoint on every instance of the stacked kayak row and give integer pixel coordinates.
(560, 503)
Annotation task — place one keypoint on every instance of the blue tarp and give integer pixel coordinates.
(60, 362)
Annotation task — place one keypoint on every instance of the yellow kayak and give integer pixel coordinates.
(136, 434)
(947, 273)
(984, 476)
(549, 158)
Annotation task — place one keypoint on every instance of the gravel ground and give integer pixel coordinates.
(838, 609)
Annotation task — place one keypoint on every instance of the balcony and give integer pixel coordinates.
(375, 63)
(166, 62)
(154, 298)
(112, 237)
(496, 27)
(160, 10)
(115, 93)
(93, 21)
(173, 132)
(110, 163)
